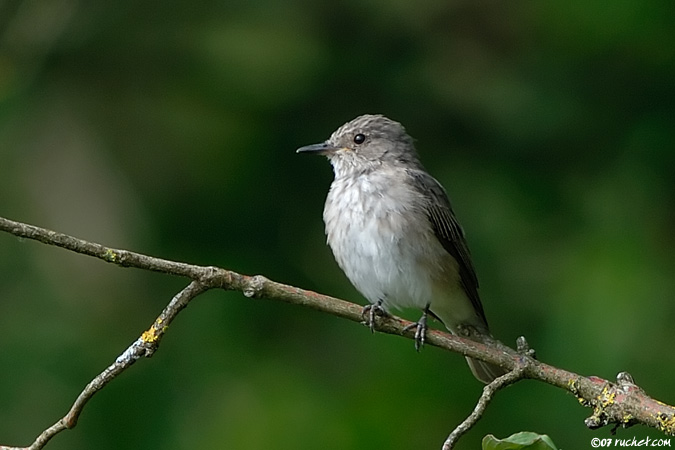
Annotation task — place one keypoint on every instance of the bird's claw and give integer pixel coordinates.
(420, 331)
(369, 312)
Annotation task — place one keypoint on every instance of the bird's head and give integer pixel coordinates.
(365, 143)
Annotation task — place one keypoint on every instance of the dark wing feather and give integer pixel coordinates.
(448, 232)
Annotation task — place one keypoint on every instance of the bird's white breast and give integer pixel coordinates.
(383, 241)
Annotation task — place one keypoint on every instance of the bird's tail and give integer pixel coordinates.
(485, 372)
(476, 329)
(461, 317)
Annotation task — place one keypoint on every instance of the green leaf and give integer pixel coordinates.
(524, 440)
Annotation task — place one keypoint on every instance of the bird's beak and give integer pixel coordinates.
(323, 148)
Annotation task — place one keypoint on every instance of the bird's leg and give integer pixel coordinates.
(421, 329)
(370, 311)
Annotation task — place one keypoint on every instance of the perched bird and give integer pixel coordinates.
(393, 232)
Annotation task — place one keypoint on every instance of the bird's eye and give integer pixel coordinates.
(359, 139)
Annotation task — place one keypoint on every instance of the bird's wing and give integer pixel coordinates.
(448, 232)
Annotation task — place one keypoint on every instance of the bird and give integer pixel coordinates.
(393, 232)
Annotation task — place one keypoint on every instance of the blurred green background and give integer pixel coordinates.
(169, 128)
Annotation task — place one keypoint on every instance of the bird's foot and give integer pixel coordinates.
(369, 312)
(420, 330)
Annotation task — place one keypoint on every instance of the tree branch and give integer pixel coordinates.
(486, 397)
(144, 346)
(622, 403)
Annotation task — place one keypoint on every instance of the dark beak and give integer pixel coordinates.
(321, 149)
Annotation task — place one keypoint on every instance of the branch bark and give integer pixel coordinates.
(486, 397)
(621, 403)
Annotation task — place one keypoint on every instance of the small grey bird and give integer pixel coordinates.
(393, 232)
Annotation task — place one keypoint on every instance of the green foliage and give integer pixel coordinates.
(525, 440)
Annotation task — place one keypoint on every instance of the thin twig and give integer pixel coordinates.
(142, 347)
(486, 397)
